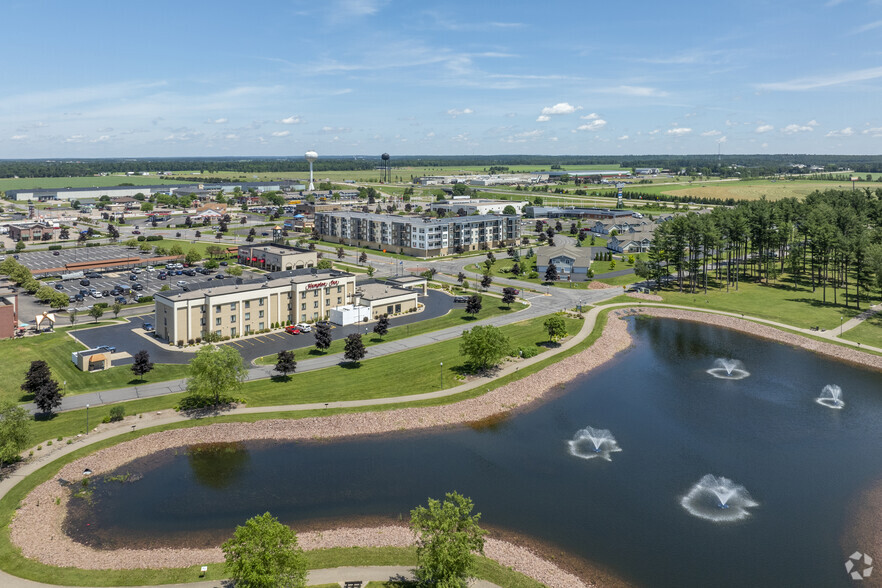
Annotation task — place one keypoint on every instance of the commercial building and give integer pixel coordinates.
(8, 314)
(231, 310)
(572, 212)
(276, 257)
(424, 237)
(467, 206)
(375, 299)
(30, 231)
(92, 360)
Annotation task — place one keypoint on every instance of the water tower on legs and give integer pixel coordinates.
(387, 172)
(311, 156)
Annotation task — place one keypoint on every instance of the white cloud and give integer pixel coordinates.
(764, 128)
(100, 139)
(560, 108)
(281, 133)
(592, 116)
(654, 132)
(713, 133)
(874, 131)
(793, 129)
(722, 139)
(523, 137)
(327, 129)
(454, 112)
(219, 121)
(430, 134)
(623, 138)
(594, 125)
(867, 27)
(812, 123)
(359, 7)
(17, 137)
(801, 84)
(543, 118)
(291, 120)
(74, 139)
(846, 132)
(642, 91)
(231, 137)
(679, 131)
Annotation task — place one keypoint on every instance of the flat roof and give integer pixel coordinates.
(270, 280)
(377, 291)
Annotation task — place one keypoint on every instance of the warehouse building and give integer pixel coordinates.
(467, 206)
(424, 237)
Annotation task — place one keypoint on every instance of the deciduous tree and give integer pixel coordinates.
(285, 363)
(264, 553)
(485, 346)
(353, 349)
(15, 431)
(215, 373)
(473, 305)
(556, 327)
(382, 326)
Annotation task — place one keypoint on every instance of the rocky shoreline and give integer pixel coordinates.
(37, 527)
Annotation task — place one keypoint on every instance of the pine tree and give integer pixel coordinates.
(354, 350)
(142, 363)
(473, 306)
(322, 335)
(285, 363)
(382, 326)
(551, 273)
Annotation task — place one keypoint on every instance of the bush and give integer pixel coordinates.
(198, 340)
(152, 238)
(101, 305)
(142, 238)
(142, 299)
(533, 275)
(180, 342)
(93, 244)
(191, 341)
(196, 401)
(525, 352)
(54, 247)
(117, 413)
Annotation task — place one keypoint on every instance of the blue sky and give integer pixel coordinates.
(270, 77)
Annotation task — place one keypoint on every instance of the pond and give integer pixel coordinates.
(792, 469)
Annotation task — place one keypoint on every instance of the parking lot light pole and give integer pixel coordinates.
(442, 375)
(87, 419)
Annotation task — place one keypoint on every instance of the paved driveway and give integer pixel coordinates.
(128, 338)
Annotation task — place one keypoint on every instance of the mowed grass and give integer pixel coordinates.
(756, 189)
(491, 307)
(410, 372)
(868, 332)
(55, 349)
(781, 301)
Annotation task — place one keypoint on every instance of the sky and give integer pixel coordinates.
(101, 78)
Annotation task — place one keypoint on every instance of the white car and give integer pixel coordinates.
(150, 268)
(304, 328)
(136, 270)
(181, 283)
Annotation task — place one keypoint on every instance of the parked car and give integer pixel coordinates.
(219, 277)
(120, 299)
(92, 275)
(59, 286)
(148, 327)
(79, 297)
(150, 268)
(292, 330)
(162, 275)
(224, 263)
(181, 283)
(459, 299)
(304, 328)
(137, 286)
(105, 292)
(56, 253)
(189, 272)
(136, 270)
(84, 282)
(71, 298)
(133, 277)
(136, 232)
(204, 271)
(96, 295)
(107, 348)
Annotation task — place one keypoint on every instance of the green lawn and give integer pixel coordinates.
(200, 246)
(781, 301)
(55, 349)
(502, 269)
(868, 332)
(458, 316)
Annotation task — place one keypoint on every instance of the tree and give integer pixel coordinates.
(516, 269)
(192, 256)
(460, 277)
(363, 257)
(354, 350)
(486, 280)
(382, 326)
(216, 372)
(370, 271)
(556, 327)
(449, 536)
(15, 431)
(508, 296)
(19, 247)
(72, 316)
(39, 382)
(264, 554)
(473, 306)
(322, 335)
(285, 363)
(485, 346)
(235, 270)
(551, 273)
(142, 364)
(341, 253)
(509, 209)
(96, 312)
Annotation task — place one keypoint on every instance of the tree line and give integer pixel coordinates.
(832, 240)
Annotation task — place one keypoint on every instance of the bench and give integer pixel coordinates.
(352, 584)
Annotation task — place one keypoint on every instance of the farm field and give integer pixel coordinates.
(81, 182)
(755, 189)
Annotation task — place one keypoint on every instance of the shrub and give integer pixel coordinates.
(69, 441)
(49, 443)
(152, 238)
(180, 342)
(59, 438)
(54, 247)
(117, 413)
(142, 299)
(198, 340)
(101, 305)
(142, 238)
(197, 401)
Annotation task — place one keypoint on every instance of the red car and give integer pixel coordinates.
(292, 330)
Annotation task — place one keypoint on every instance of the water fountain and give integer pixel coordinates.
(831, 397)
(589, 443)
(728, 369)
(718, 499)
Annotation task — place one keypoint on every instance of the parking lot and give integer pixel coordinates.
(40, 261)
(149, 281)
(129, 337)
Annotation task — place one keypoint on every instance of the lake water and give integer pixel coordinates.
(801, 462)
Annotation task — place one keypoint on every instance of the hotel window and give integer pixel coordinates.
(233, 332)
(232, 306)
(303, 306)
(260, 326)
(315, 293)
(217, 322)
(233, 318)
(339, 300)
(247, 316)
(315, 304)
(217, 308)
(247, 304)
(261, 302)
(247, 328)
(303, 294)
(327, 302)
(260, 314)
(339, 289)
(201, 321)
(327, 291)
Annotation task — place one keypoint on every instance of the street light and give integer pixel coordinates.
(87, 419)
(442, 375)
(840, 325)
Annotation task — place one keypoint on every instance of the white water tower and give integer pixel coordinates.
(311, 156)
